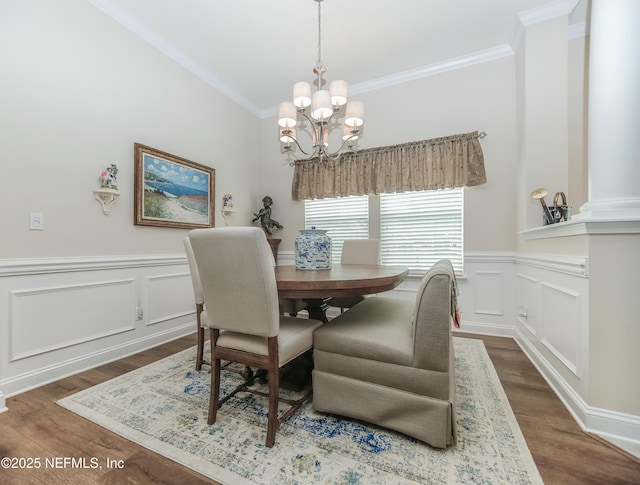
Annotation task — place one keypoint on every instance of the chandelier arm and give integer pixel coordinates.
(303, 112)
(313, 122)
(314, 147)
(300, 147)
(336, 154)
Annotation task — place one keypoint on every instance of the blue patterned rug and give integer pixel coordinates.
(163, 407)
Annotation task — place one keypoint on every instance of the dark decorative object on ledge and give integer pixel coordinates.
(264, 215)
(555, 213)
(562, 212)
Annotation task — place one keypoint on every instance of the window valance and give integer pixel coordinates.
(439, 163)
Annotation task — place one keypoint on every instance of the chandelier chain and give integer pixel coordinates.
(319, 34)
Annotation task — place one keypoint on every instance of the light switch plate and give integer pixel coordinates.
(36, 221)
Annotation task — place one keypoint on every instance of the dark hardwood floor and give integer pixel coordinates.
(35, 427)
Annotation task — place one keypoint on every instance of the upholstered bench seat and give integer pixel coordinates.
(378, 328)
(390, 362)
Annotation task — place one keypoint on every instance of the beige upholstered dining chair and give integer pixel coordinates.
(199, 300)
(240, 293)
(356, 251)
(201, 316)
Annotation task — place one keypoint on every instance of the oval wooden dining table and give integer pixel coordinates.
(316, 287)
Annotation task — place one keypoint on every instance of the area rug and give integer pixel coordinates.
(163, 407)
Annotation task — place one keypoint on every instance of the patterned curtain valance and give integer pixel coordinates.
(439, 163)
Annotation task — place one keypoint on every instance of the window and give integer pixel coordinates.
(415, 229)
(419, 228)
(342, 218)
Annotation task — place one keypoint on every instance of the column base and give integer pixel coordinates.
(618, 209)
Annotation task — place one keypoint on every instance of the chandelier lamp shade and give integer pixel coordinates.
(320, 112)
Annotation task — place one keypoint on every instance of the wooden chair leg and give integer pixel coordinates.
(214, 397)
(274, 392)
(272, 426)
(200, 349)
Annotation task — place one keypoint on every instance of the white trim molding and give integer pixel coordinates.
(159, 301)
(96, 309)
(571, 265)
(579, 227)
(40, 376)
(619, 428)
(29, 266)
(143, 31)
(547, 11)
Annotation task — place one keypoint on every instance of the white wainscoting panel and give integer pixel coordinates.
(169, 296)
(553, 292)
(50, 318)
(60, 316)
(561, 325)
(488, 296)
(528, 311)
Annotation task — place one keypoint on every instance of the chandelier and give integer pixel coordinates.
(322, 111)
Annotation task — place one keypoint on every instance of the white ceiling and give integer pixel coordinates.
(254, 50)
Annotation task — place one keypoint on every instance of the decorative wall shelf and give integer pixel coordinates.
(227, 213)
(106, 197)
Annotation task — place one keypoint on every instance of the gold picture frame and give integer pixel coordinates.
(171, 191)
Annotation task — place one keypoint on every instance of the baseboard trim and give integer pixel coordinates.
(42, 376)
(479, 328)
(610, 425)
(618, 428)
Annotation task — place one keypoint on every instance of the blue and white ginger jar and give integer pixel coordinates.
(313, 249)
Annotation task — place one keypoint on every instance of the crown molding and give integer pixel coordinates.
(452, 64)
(153, 38)
(527, 17)
(546, 12)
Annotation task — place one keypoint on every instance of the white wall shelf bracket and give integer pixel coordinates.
(106, 197)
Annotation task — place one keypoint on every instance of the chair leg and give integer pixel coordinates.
(214, 397)
(200, 351)
(200, 348)
(274, 391)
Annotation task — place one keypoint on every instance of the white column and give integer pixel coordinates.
(614, 111)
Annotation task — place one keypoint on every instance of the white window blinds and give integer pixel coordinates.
(416, 228)
(342, 218)
(419, 228)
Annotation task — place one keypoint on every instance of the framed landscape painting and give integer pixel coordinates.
(171, 191)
